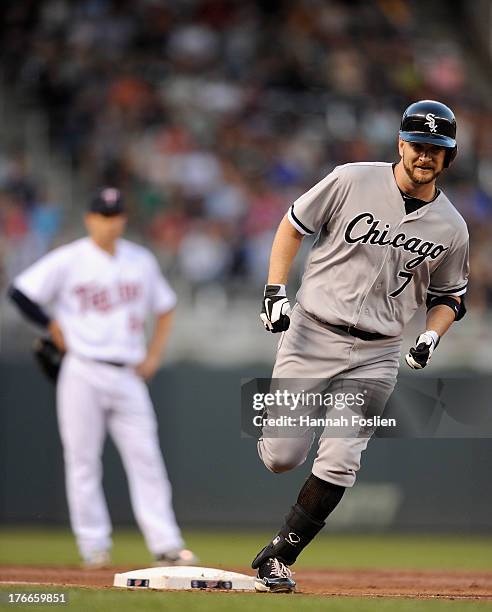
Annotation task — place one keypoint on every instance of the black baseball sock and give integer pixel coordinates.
(317, 499)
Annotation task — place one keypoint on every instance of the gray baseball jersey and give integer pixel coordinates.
(373, 265)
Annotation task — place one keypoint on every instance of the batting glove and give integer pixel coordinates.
(275, 311)
(420, 355)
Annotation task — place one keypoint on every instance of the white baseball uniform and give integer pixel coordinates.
(101, 302)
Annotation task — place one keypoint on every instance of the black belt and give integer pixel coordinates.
(116, 364)
(353, 331)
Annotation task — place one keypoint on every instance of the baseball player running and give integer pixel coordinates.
(99, 291)
(388, 241)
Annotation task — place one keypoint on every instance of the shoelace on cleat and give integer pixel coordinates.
(278, 569)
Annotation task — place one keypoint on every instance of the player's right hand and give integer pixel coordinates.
(275, 311)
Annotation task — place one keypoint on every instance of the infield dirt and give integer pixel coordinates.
(336, 582)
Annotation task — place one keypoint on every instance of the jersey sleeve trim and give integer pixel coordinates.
(300, 227)
(457, 291)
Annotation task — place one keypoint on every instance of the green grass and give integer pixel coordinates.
(29, 546)
(87, 600)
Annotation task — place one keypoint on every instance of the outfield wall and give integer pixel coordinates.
(217, 477)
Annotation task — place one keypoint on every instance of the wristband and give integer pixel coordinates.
(434, 335)
(279, 290)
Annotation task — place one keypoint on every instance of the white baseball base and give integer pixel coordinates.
(184, 578)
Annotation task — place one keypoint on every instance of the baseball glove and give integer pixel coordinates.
(48, 356)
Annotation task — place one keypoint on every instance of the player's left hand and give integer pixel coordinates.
(275, 309)
(148, 367)
(57, 336)
(420, 355)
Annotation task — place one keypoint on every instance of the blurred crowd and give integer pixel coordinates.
(214, 115)
(29, 219)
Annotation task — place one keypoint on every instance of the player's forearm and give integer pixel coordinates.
(162, 329)
(284, 249)
(440, 318)
(32, 311)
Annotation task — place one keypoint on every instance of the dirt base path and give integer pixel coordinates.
(357, 582)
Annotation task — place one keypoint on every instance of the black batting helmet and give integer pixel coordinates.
(433, 123)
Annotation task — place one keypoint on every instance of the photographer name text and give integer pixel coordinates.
(307, 421)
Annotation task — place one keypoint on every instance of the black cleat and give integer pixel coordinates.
(274, 577)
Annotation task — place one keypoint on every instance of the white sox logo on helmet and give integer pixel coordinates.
(431, 122)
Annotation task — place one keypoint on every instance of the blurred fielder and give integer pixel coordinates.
(388, 241)
(99, 291)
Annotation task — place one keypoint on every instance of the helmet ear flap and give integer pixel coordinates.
(450, 155)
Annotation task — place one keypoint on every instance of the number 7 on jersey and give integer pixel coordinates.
(405, 275)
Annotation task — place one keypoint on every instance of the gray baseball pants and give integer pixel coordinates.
(311, 350)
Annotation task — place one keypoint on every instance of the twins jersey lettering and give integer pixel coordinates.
(100, 301)
(103, 299)
(372, 265)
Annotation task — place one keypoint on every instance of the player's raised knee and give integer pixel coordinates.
(279, 460)
(282, 464)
